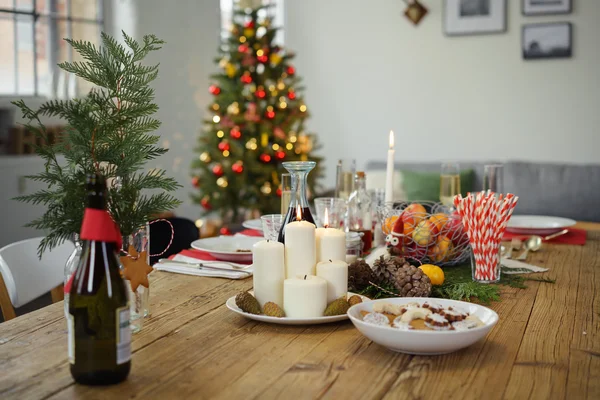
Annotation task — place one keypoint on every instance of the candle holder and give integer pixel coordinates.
(298, 208)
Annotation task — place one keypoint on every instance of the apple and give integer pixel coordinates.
(455, 231)
(414, 213)
(425, 233)
(414, 251)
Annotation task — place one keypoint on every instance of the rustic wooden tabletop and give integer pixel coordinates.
(546, 345)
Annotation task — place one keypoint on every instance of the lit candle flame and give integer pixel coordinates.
(298, 213)
(326, 220)
(391, 140)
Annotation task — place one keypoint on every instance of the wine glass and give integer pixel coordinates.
(449, 183)
(493, 177)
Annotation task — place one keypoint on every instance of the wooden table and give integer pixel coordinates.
(546, 345)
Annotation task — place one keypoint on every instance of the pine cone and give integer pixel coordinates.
(385, 268)
(359, 275)
(412, 282)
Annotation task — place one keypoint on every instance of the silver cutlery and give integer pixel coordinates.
(203, 265)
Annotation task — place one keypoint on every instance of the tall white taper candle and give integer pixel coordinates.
(389, 175)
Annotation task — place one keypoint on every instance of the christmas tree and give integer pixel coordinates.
(255, 122)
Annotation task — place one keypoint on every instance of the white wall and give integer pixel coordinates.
(367, 70)
(190, 29)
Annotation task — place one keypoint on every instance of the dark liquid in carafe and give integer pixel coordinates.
(291, 217)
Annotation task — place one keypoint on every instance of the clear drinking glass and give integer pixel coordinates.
(299, 171)
(354, 246)
(493, 178)
(286, 192)
(449, 183)
(485, 269)
(335, 209)
(377, 200)
(139, 299)
(271, 225)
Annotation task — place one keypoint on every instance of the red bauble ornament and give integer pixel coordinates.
(246, 78)
(291, 95)
(238, 167)
(242, 48)
(224, 146)
(205, 203)
(196, 181)
(260, 93)
(291, 70)
(270, 114)
(217, 170)
(265, 158)
(249, 24)
(263, 59)
(235, 133)
(280, 154)
(225, 231)
(214, 89)
(279, 192)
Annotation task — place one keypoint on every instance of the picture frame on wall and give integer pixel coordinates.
(547, 40)
(474, 17)
(547, 7)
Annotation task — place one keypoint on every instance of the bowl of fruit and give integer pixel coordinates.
(426, 231)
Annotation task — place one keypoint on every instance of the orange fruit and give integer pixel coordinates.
(442, 250)
(389, 224)
(439, 220)
(435, 273)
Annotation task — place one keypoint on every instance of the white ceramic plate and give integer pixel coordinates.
(226, 248)
(255, 224)
(287, 321)
(537, 224)
(423, 342)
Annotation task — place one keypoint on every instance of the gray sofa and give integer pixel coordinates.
(563, 190)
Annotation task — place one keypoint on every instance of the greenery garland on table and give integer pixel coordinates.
(459, 285)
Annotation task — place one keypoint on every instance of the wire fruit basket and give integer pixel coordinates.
(427, 231)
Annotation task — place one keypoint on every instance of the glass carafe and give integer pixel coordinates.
(299, 171)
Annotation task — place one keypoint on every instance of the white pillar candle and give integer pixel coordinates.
(269, 272)
(331, 244)
(350, 258)
(300, 249)
(304, 296)
(335, 272)
(389, 175)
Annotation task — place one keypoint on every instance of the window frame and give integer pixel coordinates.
(35, 16)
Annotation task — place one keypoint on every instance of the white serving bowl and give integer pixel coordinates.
(423, 342)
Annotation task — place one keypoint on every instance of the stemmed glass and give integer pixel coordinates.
(449, 183)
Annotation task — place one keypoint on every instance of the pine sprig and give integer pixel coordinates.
(108, 131)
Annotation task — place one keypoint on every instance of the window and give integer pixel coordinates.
(31, 39)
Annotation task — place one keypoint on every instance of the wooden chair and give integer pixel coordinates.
(24, 277)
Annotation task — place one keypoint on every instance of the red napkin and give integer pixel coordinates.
(251, 232)
(575, 236)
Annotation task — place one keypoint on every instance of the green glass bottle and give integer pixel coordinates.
(98, 319)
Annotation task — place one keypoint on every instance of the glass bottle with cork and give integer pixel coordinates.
(360, 213)
(98, 319)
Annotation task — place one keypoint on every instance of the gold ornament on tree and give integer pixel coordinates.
(233, 108)
(266, 188)
(230, 70)
(205, 157)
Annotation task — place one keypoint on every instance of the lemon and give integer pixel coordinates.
(435, 273)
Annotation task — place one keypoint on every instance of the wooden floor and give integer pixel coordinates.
(546, 345)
